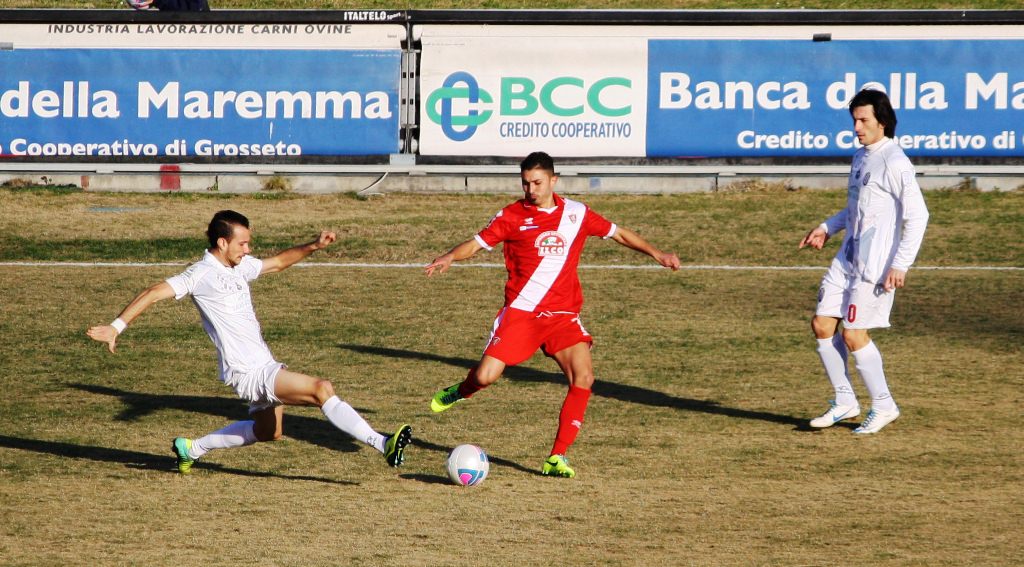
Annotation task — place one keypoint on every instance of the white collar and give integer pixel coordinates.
(876, 145)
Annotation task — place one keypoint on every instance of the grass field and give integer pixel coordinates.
(695, 450)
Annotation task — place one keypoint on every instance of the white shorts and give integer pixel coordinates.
(860, 304)
(256, 385)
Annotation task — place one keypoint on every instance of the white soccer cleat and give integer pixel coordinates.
(876, 420)
(835, 414)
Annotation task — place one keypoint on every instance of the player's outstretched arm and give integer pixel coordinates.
(109, 333)
(630, 239)
(461, 252)
(282, 260)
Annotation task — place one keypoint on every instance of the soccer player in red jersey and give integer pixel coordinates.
(543, 236)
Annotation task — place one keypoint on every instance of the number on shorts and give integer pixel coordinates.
(851, 313)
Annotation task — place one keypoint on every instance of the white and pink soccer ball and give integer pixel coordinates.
(468, 465)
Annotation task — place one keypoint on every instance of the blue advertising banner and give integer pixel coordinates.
(199, 102)
(765, 98)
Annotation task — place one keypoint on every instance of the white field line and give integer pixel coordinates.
(691, 267)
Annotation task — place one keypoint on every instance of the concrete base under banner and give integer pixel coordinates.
(369, 180)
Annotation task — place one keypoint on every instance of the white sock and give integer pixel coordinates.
(869, 365)
(833, 357)
(237, 434)
(346, 419)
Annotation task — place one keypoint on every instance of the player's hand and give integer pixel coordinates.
(895, 279)
(326, 238)
(669, 261)
(815, 239)
(104, 334)
(440, 264)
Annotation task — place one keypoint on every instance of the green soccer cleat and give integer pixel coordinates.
(557, 465)
(445, 399)
(394, 448)
(180, 449)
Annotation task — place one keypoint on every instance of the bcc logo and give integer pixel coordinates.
(517, 98)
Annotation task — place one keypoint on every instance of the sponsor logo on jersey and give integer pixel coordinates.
(867, 177)
(551, 243)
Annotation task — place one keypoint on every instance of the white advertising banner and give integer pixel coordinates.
(563, 91)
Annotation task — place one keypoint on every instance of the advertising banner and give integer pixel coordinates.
(510, 94)
(205, 100)
(788, 98)
(714, 92)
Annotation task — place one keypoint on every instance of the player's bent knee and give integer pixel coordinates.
(823, 327)
(323, 390)
(583, 380)
(855, 339)
(486, 379)
(264, 435)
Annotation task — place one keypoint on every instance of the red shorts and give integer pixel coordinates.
(518, 334)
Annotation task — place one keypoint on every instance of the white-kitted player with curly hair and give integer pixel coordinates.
(885, 219)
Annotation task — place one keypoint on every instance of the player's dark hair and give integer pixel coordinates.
(223, 226)
(538, 160)
(879, 102)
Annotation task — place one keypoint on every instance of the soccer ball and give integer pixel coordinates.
(467, 465)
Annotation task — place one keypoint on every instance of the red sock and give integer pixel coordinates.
(570, 419)
(470, 386)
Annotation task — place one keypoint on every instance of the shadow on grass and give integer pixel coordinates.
(136, 459)
(314, 430)
(444, 449)
(317, 431)
(621, 392)
(427, 478)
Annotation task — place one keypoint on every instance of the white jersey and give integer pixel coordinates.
(885, 215)
(225, 305)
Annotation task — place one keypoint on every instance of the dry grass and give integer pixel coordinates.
(694, 450)
(739, 228)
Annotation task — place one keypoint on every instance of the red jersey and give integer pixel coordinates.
(542, 251)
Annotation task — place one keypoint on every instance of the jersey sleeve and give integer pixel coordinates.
(185, 283)
(836, 222)
(914, 219)
(250, 268)
(596, 225)
(496, 231)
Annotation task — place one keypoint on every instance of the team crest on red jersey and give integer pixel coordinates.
(550, 243)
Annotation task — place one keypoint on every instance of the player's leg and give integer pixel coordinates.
(512, 341)
(293, 388)
(578, 367)
(869, 308)
(237, 434)
(255, 387)
(485, 373)
(832, 350)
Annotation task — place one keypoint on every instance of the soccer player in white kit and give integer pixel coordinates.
(885, 219)
(219, 287)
